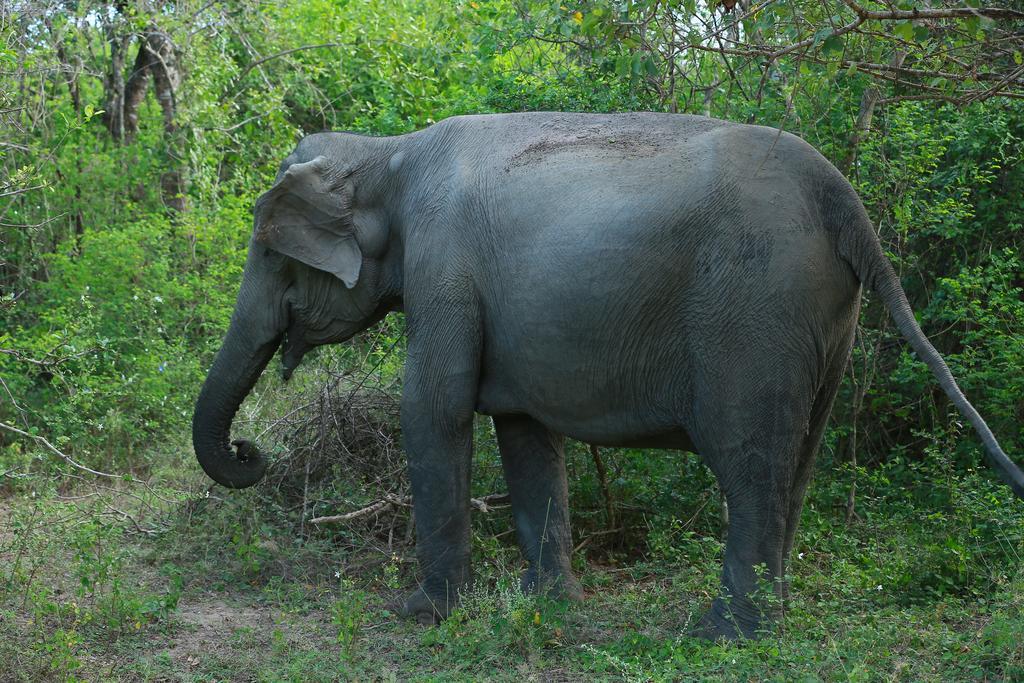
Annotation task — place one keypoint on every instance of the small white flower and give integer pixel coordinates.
(878, 587)
(337, 575)
(159, 299)
(800, 556)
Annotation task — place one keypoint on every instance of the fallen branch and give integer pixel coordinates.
(490, 502)
(375, 509)
(604, 532)
(67, 458)
(485, 504)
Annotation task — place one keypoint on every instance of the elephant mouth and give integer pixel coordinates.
(300, 340)
(293, 348)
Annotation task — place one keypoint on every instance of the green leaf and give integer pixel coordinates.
(1018, 59)
(833, 44)
(636, 64)
(821, 34)
(905, 30)
(622, 63)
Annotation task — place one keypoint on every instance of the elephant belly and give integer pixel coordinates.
(628, 407)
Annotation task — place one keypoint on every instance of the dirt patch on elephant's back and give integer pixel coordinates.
(605, 143)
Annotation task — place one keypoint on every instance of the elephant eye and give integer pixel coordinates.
(266, 252)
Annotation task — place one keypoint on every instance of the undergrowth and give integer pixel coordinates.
(925, 583)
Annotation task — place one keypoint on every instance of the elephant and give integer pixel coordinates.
(647, 280)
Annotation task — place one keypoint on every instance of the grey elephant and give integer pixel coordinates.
(645, 280)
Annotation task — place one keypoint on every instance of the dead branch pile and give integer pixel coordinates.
(343, 450)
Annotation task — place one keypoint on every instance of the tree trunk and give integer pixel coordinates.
(113, 114)
(134, 91)
(868, 101)
(71, 69)
(166, 77)
(166, 80)
(155, 58)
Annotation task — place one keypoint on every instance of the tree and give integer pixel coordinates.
(685, 51)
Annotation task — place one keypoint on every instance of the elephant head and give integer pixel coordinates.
(321, 267)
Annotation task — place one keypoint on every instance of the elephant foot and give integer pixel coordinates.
(561, 585)
(425, 609)
(724, 623)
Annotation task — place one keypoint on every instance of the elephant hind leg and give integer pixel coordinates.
(753, 566)
(808, 452)
(534, 465)
(753, 442)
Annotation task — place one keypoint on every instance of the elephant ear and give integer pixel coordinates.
(307, 215)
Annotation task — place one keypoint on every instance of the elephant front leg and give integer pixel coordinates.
(437, 425)
(534, 465)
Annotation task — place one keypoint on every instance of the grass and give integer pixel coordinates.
(187, 582)
(223, 590)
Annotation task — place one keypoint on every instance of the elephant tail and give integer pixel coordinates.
(859, 246)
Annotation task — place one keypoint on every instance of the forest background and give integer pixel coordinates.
(134, 139)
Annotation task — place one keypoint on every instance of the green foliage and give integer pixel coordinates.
(347, 615)
(937, 183)
(492, 624)
(116, 328)
(72, 584)
(583, 90)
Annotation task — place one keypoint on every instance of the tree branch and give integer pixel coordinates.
(262, 60)
(949, 13)
(66, 458)
(485, 504)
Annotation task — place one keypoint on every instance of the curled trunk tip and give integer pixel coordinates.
(234, 373)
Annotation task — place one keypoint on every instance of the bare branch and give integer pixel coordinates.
(949, 13)
(370, 510)
(63, 456)
(23, 190)
(485, 504)
(262, 60)
(923, 73)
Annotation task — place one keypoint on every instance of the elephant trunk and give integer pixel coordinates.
(238, 365)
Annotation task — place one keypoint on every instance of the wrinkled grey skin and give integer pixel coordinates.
(642, 280)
